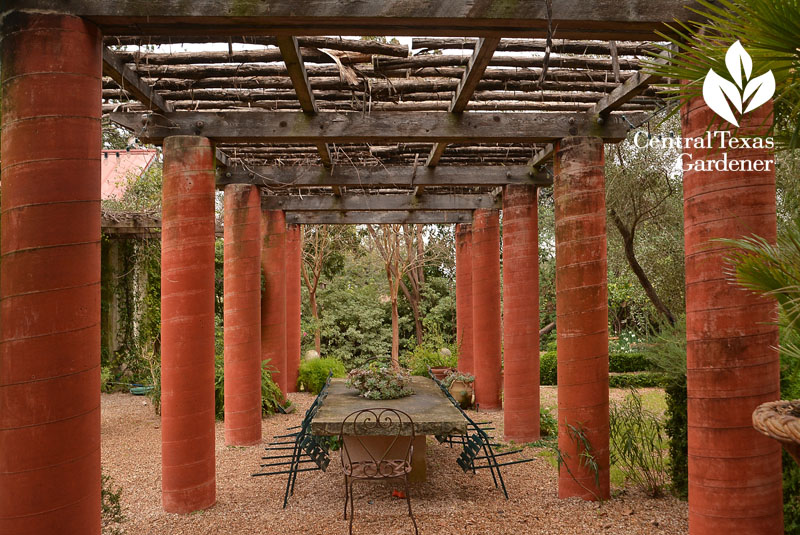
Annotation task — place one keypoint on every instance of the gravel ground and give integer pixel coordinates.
(449, 502)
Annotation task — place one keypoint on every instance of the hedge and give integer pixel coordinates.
(626, 364)
(314, 372)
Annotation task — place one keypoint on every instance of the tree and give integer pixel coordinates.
(397, 246)
(322, 246)
(643, 195)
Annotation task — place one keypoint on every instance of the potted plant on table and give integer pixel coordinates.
(379, 381)
(460, 386)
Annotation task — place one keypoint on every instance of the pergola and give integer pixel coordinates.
(303, 128)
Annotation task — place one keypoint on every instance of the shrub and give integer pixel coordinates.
(426, 355)
(110, 506)
(548, 424)
(377, 381)
(636, 444)
(637, 380)
(548, 373)
(105, 379)
(314, 373)
(628, 362)
(271, 395)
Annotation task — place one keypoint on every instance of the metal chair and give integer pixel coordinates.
(302, 443)
(377, 445)
(479, 441)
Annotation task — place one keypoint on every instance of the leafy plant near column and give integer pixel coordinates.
(768, 31)
(774, 269)
(378, 381)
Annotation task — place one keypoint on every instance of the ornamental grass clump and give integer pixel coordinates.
(378, 381)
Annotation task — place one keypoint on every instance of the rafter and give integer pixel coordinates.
(377, 218)
(381, 176)
(483, 52)
(391, 202)
(376, 127)
(132, 83)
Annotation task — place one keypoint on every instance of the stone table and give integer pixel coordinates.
(429, 409)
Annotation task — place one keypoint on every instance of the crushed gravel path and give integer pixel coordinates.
(449, 502)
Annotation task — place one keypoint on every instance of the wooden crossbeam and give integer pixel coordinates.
(377, 218)
(132, 83)
(293, 59)
(376, 127)
(390, 202)
(383, 176)
(542, 156)
(575, 19)
(483, 52)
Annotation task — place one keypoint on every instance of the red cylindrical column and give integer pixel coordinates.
(486, 321)
(581, 314)
(187, 325)
(50, 271)
(734, 471)
(273, 300)
(464, 297)
(521, 314)
(293, 259)
(242, 315)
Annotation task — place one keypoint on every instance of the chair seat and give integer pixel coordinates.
(377, 470)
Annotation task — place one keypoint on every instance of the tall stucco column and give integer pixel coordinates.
(273, 299)
(242, 273)
(187, 325)
(50, 272)
(581, 315)
(464, 297)
(734, 471)
(486, 321)
(521, 313)
(293, 330)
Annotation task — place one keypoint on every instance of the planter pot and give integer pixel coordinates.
(440, 372)
(462, 392)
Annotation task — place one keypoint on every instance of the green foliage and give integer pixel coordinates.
(314, 372)
(637, 380)
(378, 381)
(637, 444)
(548, 371)
(628, 362)
(105, 377)
(667, 353)
(791, 492)
(627, 365)
(548, 424)
(271, 395)
(110, 506)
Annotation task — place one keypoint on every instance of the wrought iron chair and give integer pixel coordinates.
(302, 443)
(377, 444)
(475, 443)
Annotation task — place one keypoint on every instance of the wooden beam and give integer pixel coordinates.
(136, 225)
(377, 218)
(483, 52)
(375, 127)
(130, 82)
(575, 19)
(293, 59)
(389, 202)
(381, 176)
(543, 155)
(631, 88)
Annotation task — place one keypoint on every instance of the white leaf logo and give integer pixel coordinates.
(720, 93)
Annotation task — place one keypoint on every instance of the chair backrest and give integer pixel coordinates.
(377, 439)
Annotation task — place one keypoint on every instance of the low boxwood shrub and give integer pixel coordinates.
(547, 368)
(637, 380)
(628, 362)
(314, 372)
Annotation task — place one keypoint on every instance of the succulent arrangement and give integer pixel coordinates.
(378, 381)
(452, 377)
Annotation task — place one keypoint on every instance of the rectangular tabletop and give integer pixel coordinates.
(431, 412)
